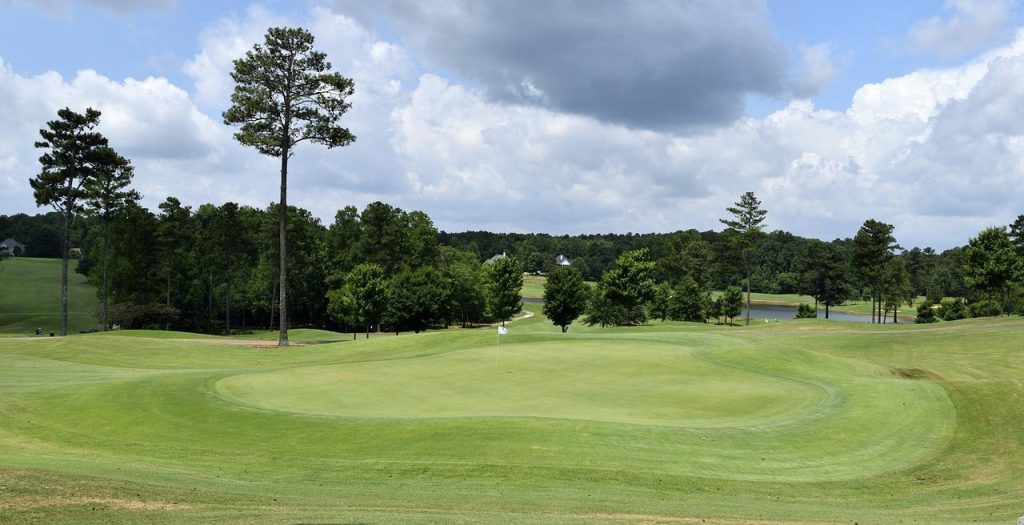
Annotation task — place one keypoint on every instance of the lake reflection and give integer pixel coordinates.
(760, 312)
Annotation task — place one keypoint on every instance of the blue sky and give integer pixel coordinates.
(808, 103)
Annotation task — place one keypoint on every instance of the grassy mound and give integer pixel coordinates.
(813, 422)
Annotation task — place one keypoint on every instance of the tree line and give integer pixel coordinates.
(214, 269)
(984, 278)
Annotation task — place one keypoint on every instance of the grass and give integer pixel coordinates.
(533, 286)
(31, 297)
(808, 422)
(851, 307)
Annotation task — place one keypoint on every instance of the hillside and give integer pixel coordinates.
(31, 297)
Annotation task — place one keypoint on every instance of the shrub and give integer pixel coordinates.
(926, 313)
(952, 310)
(806, 311)
(148, 315)
(984, 309)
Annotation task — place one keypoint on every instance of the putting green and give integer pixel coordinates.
(630, 382)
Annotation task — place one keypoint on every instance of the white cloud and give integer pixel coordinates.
(937, 152)
(818, 70)
(971, 25)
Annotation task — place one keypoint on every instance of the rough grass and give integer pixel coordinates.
(800, 422)
(30, 297)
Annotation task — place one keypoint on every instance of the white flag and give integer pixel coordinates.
(502, 330)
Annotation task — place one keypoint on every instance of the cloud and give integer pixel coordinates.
(969, 26)
(818, 70)
(653, 65)
(64, 7)
(935, 152)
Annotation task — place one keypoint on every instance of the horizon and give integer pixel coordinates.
(646, 118)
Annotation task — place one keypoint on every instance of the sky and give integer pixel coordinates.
(562, 117)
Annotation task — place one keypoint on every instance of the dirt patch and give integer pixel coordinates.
(914, 374)
(34, 502)
(251, 343)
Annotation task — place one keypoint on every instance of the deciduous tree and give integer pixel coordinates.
(565, 296)
(503, 288)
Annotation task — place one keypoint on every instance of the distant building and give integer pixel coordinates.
(562, 260)
(12, 247)
(496, 258)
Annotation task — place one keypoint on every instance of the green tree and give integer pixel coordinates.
(898, 289)
(660, 307)
(873, 248)
(418, 297)
(745, 226)
(462, 269)
(732, 303)
(690, 302)
(343, 238)
(565, 296)
(384, 236)
(285, 94)
(73, 151)
(367, 288)
(503, 288)
(991, 263)
(107, 196)
(174, 240)
(604, 311)
(1016, 234)
(825, 275)
(630, 284)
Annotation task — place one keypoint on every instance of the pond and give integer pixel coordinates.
(760, 312)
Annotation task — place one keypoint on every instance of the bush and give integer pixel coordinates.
(149, 315)
(926, 313)
(952, 310)
(806, 311)
(984, 309)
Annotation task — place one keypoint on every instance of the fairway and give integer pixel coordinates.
(31, 297)
(815, 422)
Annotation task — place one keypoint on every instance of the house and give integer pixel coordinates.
(496, 258)
(562, 260)
(12, 247)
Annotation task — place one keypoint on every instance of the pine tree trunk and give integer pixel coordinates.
(826, 311)
(282, 338)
